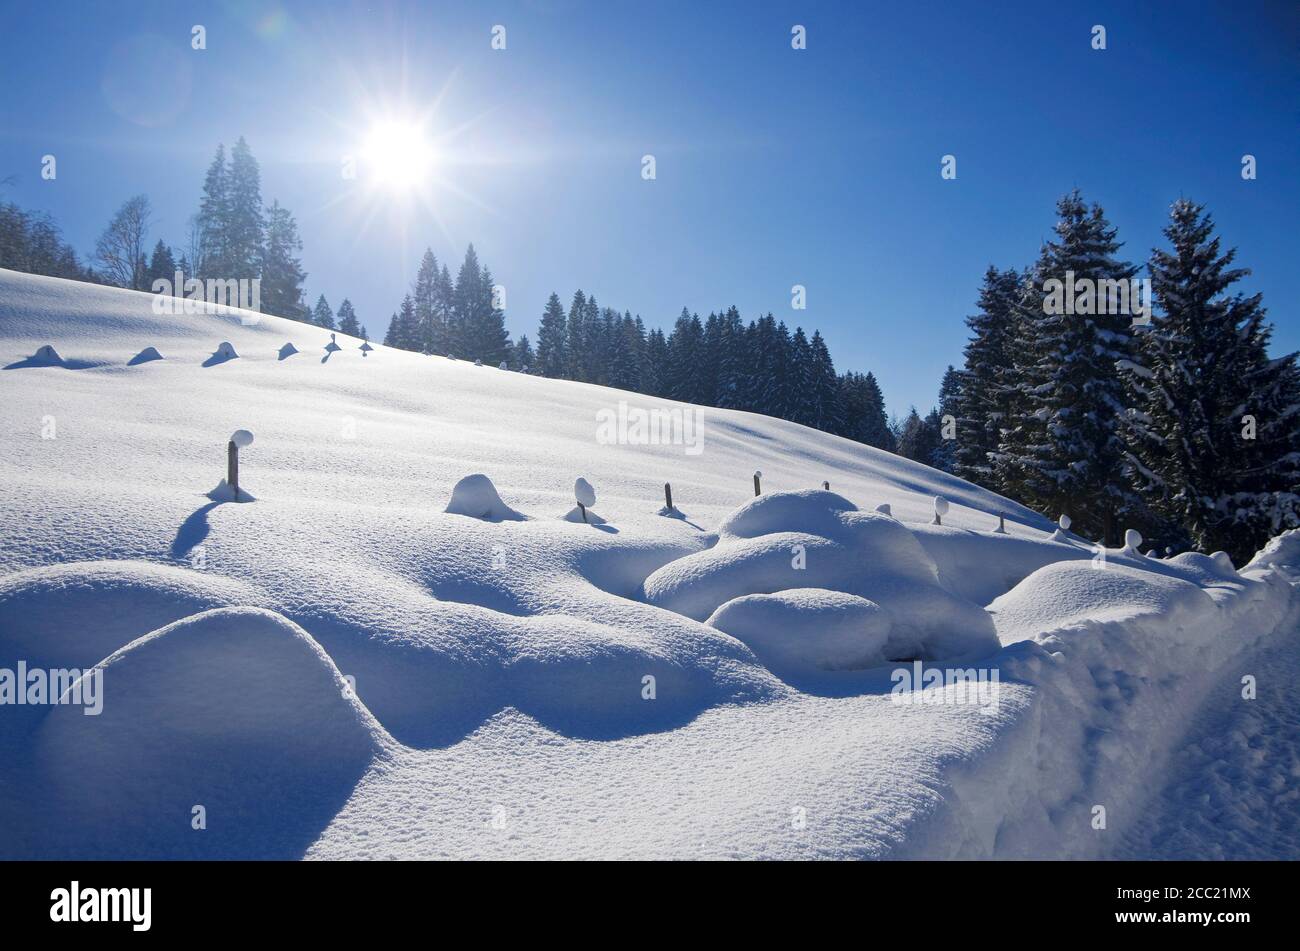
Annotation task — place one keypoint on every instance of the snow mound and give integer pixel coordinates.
(147, 355)
(817, 539)
(236, 711)
(224, 493)
(1064, 599)
(75, 615)
(807, 510)
(477, 497)
(576, 514)
(1281, 552)
(805, 629)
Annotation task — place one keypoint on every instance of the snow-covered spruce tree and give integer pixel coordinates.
(522, 357)
(551, 339)
(1062, 449)
(211, 220)
(733, 361)
(1229, 482)
(322, 315)
(282, 273)
(424, 294)
(408, 328)
(950, 400)
(983, 404)
(393, 332)
(685, 351)
(576, 337)
(491, 339)
(465, 305)
(799, 404)
(162, 266)
(918, 438)
(245, 226)
(348, 322)
(828, 413)
(656, 349)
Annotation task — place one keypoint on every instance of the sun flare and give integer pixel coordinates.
(398, 156)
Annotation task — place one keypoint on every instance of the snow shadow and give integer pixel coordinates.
(193, 531)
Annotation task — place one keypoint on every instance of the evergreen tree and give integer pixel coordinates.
(1064, 453)
(656, 349)
(522, 357)
(918, 438)
(424, 295)
(393, 333)
(466, 301)
(162, 266)
(946, 420)
(321, 314)
(211, 259)
(282, 273)
(491, 339)
(551, 339)
(348, 323)
(685, 352)
(1206, 369)
(408, 326)
(444, 308)
(575, 347)
(244, 226)
(799, 401)
(730, 388)
(827, 413)
(982, 409)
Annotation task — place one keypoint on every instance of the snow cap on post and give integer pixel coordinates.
(584, 493)
(241, 438)
(940, 509)
(1064, 522)
(1132, 538)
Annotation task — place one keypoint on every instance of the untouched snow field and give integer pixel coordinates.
(408, 643)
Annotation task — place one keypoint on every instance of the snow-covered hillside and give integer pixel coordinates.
(373, 658)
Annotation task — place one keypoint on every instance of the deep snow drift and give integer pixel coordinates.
(408, 642)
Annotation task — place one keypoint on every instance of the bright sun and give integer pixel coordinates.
(398, 156)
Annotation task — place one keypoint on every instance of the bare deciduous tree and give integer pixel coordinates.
(121, 248)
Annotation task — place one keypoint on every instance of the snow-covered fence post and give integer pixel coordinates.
(668, 494)
(940, 509)
(240, 437)
(1002, 523)
(826, 486)
(585, 495)
(758, 487)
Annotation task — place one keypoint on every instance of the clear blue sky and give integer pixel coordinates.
(775, 167)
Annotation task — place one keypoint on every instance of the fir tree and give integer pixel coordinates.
(918, 438)
(551, 339)
(348, 323)
(1064, 453)
(945, 420)
(982, 409)
(424, 295)
(282, 273)
(491, 339)
(162, 267)
(1228, 483)
(522, 357)
(322, 315)
(211, 222)
(244, 224)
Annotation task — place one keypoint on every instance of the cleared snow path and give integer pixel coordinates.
(1234, 787)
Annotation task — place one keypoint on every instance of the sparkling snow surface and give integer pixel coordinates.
(408, 643)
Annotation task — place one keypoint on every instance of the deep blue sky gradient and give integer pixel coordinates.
(775, 167)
